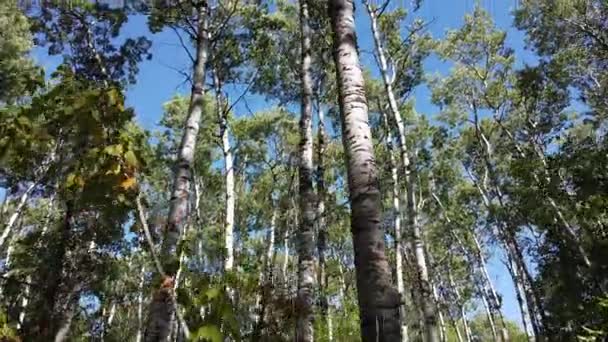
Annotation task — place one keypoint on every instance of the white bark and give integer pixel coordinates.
(180, 194)
(521, 297)
(460, 304)
(229, 195)
(25, 297)
(321, 223)
(559, 216)
(267, 271)
(399, 251)
(428, 306)
(140, 305)
(161, 306)
(15, 215)
(442, 327)
(305, 236)
(285, 256)
(506, 235)
(377, 297)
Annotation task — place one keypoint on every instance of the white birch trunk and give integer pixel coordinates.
(321, 223)
(15, 215)
(520, 295)
(25, 297)
(378, 300)
(559, 216)
(442, 327)
(399, 251)
(140, 305)
(306, 274)
(428, 306)
(163, 305)
(229, 195)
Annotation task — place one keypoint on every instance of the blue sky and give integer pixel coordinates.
(158, 81)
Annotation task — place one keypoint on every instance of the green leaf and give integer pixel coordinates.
(114, 150)
(114, 170)
(131, 159)
(212, 292)
(208, 332)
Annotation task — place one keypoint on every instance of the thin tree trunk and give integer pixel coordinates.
(512, 245)
(43, 231)
(321, 224)
(140, 305)
(559, 216)
(520, 295)
(378, 300)
(492, 309)
(285, 265)
(507, 237)
(162, 310)
(64, 330)
(456, 330)
(164, 301)
(306, 274)
(265, 280)
(25, 297)
(48, 322)
(442, 327)
(428, 307)
(399, 252)
(341, 281)
(494, 302)
(229, 195)
(460, 305)
(13, 218)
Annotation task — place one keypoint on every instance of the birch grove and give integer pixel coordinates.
(305, 170)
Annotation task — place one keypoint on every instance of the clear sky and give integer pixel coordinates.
(158, 80)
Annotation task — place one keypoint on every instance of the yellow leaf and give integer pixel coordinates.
(129, 183)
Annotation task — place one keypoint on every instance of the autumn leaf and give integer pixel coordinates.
(129, 183)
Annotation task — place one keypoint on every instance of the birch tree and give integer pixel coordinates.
(378, 299)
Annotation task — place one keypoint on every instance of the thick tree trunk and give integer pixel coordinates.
(161, 308)
(306, 272)
(378, 299)
(428, 306)
(222, 117)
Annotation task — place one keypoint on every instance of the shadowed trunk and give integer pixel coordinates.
(321, 224)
